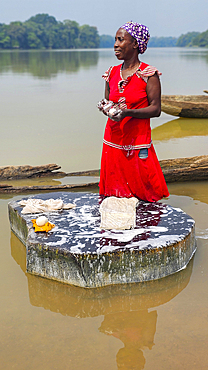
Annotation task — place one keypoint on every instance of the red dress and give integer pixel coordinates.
(123, 172)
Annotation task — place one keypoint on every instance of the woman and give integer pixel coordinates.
(129, 165)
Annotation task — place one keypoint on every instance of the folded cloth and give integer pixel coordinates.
(39, 205)
(118, 213)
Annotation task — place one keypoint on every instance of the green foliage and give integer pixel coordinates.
(69, 34)
(44, 32)
(88, 37)
(201, 40)
(162, 42)
(5, 40)
(186, 40)
(46, 20)
(107, 41)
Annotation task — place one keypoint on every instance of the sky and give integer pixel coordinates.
(163, 17)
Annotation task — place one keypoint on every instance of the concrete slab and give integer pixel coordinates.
(78, 252)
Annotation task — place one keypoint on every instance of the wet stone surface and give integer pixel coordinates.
(78, 252)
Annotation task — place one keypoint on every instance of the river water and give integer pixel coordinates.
(48, 115)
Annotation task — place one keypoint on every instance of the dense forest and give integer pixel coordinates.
(187, 39)
(161, 42)
(43, 31)
(107, 41)
(193, 39)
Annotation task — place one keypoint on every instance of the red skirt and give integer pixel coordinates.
(124, 174)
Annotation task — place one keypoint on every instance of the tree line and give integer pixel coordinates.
(43, 31)
(189, 39)
(196, 39)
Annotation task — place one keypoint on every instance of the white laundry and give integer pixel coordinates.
(118, 213)
(39, 205)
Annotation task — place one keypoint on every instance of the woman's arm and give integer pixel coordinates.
(102, 103)
(154, 97)
(107, 90)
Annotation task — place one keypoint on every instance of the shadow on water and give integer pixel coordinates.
(47, 64)
(180, 128)
(128, 309)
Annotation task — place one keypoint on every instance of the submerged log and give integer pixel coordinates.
(95, 173)
(190, 106)
(26, 171)
(180, 170)
(5, 186)
(25, 189)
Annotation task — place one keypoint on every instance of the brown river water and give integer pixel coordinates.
(47, 325)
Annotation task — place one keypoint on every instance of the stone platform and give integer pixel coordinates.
(78, 252)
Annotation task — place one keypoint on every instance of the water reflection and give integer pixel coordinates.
(197, 190)
(47, 64)
(193, 53)
(180, 128)
(136, 330)
(40, 181)
(127, 309)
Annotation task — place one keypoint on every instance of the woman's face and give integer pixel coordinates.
(125, 45)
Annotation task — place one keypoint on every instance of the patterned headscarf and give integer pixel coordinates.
(139, 32)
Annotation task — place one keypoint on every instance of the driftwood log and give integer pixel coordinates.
(174, 170)
(185, 169)
(95, 173)
(190, 106)
(180, 169)
(25, 172)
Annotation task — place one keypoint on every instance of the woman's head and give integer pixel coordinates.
(139, 32)
(125, 45)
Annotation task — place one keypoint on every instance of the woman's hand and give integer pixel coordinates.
(117, 116)
(154, 97)
(111, 110)
(104, 106)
